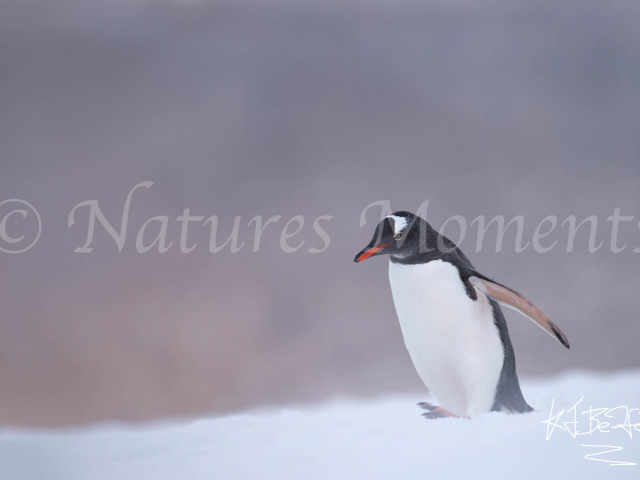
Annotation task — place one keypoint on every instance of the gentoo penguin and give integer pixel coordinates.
(451, 322)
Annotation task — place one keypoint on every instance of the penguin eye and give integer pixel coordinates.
(397, 236)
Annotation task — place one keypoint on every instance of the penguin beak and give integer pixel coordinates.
(367, 252)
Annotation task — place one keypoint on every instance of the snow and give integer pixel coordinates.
(351, 439)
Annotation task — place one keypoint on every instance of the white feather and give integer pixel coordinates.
(453, 341)
(399, 223)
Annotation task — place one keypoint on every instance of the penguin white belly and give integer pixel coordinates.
(453, 341)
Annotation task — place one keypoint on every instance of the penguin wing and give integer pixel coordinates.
(512, 299)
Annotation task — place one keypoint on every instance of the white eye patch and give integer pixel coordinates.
(399, 223)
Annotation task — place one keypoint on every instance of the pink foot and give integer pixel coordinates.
(433, 411)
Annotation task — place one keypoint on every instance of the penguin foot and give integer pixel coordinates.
(433, 411)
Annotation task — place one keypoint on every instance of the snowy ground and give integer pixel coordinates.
(346, 439)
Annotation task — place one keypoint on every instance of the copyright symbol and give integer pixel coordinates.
(7, 241)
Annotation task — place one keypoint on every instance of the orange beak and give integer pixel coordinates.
(368, 253)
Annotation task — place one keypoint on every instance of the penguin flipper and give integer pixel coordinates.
(512, 299)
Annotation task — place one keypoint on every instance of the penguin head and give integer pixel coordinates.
(397, 235)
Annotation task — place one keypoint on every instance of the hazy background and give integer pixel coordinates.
(300, 108)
